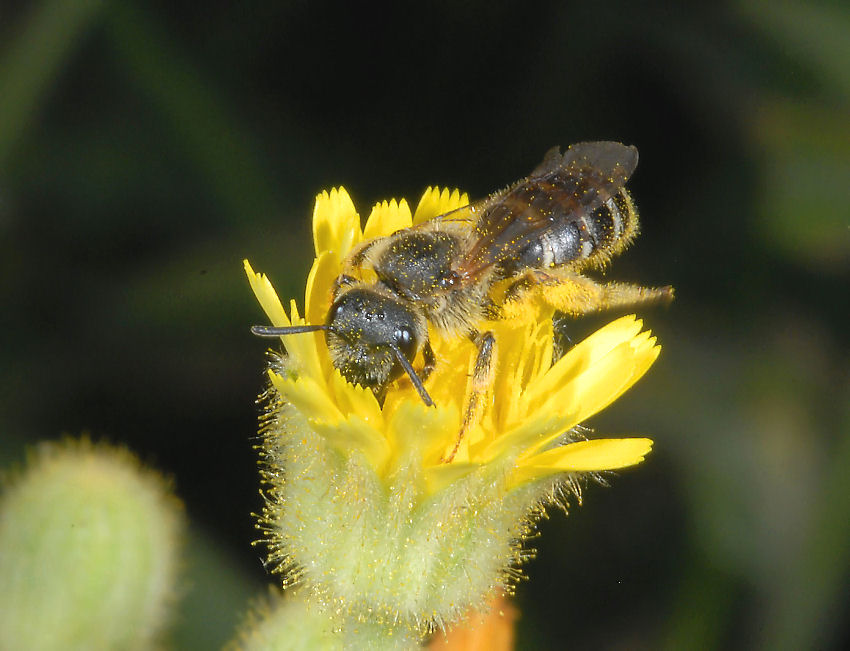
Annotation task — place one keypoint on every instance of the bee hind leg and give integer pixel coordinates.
(575, 294)
(478, 387)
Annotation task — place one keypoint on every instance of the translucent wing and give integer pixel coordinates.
(462, 216)
(563, 187)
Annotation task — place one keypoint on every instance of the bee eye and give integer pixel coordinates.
(406, 341)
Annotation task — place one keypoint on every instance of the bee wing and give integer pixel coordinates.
(601, 156)
(464, 215)
(563, 187)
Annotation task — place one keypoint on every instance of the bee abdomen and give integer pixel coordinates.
(611, 221)
(591, 236)
(608, 229)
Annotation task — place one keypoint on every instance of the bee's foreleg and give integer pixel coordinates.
(478, 388)
(430, 360)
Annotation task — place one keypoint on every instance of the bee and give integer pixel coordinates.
(530, 242)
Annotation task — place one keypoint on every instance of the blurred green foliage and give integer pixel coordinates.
(146, 148)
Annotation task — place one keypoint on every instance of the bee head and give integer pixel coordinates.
(372, 338)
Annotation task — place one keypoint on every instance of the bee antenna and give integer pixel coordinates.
(411, 373)
(274, 331)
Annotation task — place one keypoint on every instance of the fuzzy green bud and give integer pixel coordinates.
(88, 551)
(387, 550)
(295, 624)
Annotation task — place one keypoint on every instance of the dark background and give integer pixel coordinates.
(146, 148)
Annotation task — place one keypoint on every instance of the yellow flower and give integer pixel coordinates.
(384, 465)
(535, 401)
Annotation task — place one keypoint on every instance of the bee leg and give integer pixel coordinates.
(380, 394)
(430, 361)
(343, 280)
(354, 261)
(561, 340)
(478, 387)
(575, 294)
(516, 303)
(625, 294)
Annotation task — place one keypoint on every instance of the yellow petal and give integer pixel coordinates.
(336, 224)
(611, 376)
(602, 383)
(524, 353)
(447, 382)
(266, 296)
(308, 397)
(353, 399)
(320, 282)
(581, 357)
(317, 298)
(436, 202)
(386, 218)
(302, 349)
(534, 429)
(583, 456)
